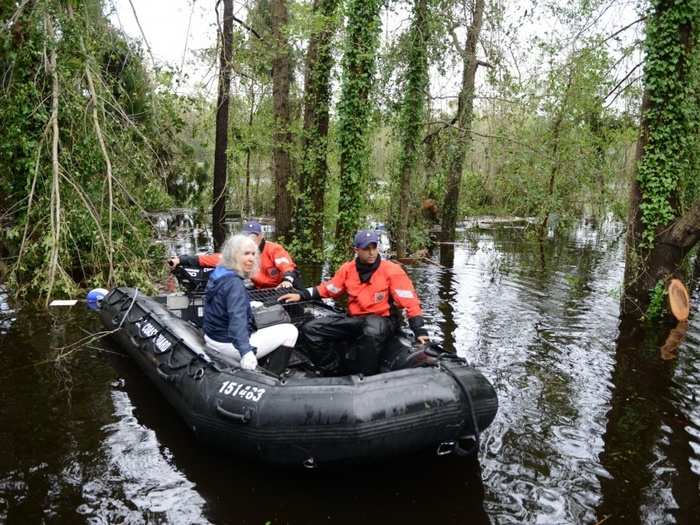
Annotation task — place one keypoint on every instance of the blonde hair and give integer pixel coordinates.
(232, 251)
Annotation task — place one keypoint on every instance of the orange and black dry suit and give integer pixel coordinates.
(276, 265)
(371, 289)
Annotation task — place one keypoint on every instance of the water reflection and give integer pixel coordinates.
(136, 481)
(7, 313)
(651, 439)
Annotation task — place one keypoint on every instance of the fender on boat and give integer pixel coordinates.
(300, 419)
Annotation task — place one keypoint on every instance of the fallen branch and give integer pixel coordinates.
(31, 198)
(55, 186)
(108, 163)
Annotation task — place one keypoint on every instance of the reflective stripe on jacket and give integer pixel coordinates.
(372, 297)
(275, 263)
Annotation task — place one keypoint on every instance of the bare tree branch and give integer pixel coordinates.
(623, 29)
(143, 35)
(55, 186)
(10, 21)
(629, 73)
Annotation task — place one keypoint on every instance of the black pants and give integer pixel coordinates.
(354, 343)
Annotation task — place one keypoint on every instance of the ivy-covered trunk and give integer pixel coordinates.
(221, 141)
(411, 120)
(314, 167)
(664, 215)
(282, 136)
(460, 136)
(248, 152)
(354, 110)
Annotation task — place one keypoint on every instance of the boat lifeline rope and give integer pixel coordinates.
(470, 402)
(133, 300)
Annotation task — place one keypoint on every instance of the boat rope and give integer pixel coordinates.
(133, 300)
(472, 413)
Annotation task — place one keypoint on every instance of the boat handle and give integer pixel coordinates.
(445, 448)
(469, 451)
(245, 417)
(167, 377)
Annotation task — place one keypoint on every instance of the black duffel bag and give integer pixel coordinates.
(270, 315)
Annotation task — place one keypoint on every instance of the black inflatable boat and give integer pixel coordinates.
(424, 399)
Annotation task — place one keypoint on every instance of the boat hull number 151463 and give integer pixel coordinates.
(248, 392)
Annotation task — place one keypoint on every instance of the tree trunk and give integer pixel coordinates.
(462, 135)
(248, 151)
(314, 167)
(657, 246)
(221, 144)
(556, 164)
(411, 120)
(354, 111)
(282, 136)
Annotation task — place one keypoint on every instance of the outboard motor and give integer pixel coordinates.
(402, 353)
(193, 280)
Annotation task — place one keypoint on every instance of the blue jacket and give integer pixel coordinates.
(228, 317)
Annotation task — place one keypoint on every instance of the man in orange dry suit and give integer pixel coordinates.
(370, 283)
(277, 269)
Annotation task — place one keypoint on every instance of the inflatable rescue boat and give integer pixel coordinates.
(424, 398)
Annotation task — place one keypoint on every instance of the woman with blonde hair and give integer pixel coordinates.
(229, 325)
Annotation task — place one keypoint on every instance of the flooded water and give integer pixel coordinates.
(596, 423)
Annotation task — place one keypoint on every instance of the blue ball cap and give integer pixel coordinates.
(252, 227)
(364, 238)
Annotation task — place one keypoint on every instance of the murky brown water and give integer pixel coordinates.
(594, 424)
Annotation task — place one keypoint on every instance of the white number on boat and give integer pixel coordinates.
(249, 392)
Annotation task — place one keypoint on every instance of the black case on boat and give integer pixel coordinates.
(270, 315)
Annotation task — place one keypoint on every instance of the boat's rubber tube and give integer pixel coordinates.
(300, 420)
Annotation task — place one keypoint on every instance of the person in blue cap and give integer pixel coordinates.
(371, 284)
(277, 268)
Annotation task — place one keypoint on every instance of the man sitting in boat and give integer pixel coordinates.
(228, 318)
(371, 283)
(277, 268)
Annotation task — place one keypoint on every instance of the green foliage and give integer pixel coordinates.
(138, 135)
(667, 173)
(657, 302)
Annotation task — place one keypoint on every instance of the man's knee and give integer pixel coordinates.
(376, 327)
(313, 328)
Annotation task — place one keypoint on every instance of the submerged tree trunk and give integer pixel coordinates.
(221, 144)
(282, 136)
(461, 136)
(660, 229)
(314, 167)
(411, 120)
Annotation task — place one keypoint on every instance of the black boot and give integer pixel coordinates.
(279, 359)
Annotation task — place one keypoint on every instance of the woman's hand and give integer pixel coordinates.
(284, 284)
(290, 298)
(249, 361)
